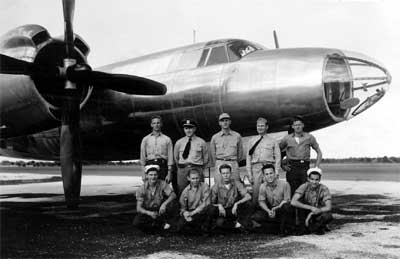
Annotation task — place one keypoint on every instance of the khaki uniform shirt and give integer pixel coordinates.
(314, 197)
(198, 153)
(267, 151)
(155, 146)
(299, 151)
(152, 199)
(227, 197)
(274, 193)
(226, 146)
(193, 198)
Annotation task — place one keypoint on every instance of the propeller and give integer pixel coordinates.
(74, 75)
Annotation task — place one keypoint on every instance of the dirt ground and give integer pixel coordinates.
(36, 224)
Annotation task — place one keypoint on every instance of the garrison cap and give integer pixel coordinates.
(147, 168)
(224, 116)
(189, 123)
(314, 169)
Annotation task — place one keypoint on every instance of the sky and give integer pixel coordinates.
(117, 30)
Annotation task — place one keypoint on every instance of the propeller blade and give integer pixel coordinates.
(68, 10)
(9, 65)
(70, 149)
(118, 82)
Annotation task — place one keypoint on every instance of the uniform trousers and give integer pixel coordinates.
(196, 225)
(243, 216)
(148, 224)
(235, 170)
(297, 175)
(257, 181)
(283, 217)
(316, 222)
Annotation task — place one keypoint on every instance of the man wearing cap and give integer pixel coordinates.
(297, 146)
(193, 201)
(226, 148)
(229, 204)
(156, 148)
(155, 202)
(314, 202)
(274, 201)
(189, 152)
(261, 150)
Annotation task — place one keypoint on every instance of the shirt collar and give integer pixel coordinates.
(223, 133)
(273, 184)
(301, 135)
(147, 184)
(155, 134)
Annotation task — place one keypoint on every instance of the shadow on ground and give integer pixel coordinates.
(102, 228)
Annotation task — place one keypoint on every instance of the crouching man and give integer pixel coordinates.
(230, 203)
(155, 202)
(314, 202)
(193, 201)
(274, 201)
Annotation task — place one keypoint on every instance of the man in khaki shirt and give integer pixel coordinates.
(226, 148)
(155, 202)
(261, 150)
(274, 201)
(315, 204)
(189, 152)
(229, 204)
(156, 148)
(193, 201)
(298, 146)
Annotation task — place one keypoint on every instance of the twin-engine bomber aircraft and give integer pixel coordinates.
(54, 107)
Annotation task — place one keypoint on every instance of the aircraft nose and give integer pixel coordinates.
(368, 81)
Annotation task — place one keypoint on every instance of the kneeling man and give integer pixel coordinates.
(274, 201)
(314, 202)
(154, 205)
(193, 201)
(230, 202)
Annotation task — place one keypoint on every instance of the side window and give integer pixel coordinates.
(189, 59)
(233, 56)
(203, 57)
(217, 56)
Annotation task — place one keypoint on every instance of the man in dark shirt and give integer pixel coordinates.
(297, 146)
(230, 203)
(155, 206)
(314, 202)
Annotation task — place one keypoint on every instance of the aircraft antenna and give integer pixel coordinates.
(194, 36)
(276, 40)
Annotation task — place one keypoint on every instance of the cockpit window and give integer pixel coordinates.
(217, 56)
(239, 49)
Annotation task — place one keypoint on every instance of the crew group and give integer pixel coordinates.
(299, 205)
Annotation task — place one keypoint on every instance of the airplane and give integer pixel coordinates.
(53, 106)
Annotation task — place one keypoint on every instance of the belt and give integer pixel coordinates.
(296, 161)
(263, 163)
(226, 159)
(188, 165)
(157, 160)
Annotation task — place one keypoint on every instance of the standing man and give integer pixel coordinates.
(297, 145)
(274, 201)
(156, 149)
(194, 199)
(261, 150)
(226, 148)
(229, 203)
(314, 202)
(154, 202)
(189, 152)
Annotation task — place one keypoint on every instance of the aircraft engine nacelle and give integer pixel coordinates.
(29, 105)
(316, 83)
